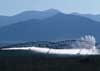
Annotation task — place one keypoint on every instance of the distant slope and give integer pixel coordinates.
(4, 20)
(90, 16)
(27, 15)
(58, 27)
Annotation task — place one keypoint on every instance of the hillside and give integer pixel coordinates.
(57, 27)
(27, 15)
(90, 16)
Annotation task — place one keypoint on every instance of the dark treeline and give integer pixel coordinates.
(49, 44)
(56, 44)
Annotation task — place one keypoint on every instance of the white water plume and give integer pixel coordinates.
(88, 42)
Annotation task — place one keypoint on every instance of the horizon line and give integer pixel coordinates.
(47, 10)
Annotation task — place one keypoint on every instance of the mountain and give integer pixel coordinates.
(90, 16)
(58, 27)
(4, 20)
(27, 15)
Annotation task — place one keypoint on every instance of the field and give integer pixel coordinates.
(26, 61)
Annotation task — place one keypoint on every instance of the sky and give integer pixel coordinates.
(11, 7)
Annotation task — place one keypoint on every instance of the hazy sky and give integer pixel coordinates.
(10, 7)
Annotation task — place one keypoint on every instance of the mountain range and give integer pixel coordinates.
(47, 25)
(90, 16)
(27, 15)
